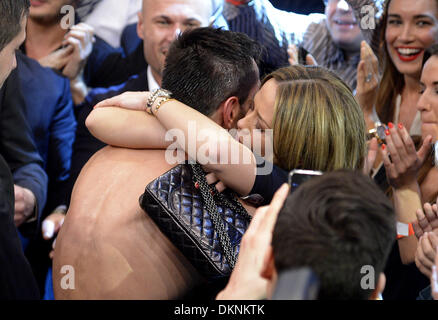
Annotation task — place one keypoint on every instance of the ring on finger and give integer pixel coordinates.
(369, 77)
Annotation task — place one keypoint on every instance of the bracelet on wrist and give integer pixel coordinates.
(160, 103)
(157, 96)
(378, 132)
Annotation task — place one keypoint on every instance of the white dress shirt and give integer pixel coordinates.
(110, 17)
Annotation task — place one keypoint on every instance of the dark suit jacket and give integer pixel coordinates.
(300, 6)
(85, 144)
(49, 111)
(18, 148)
(130, 41)
(16, 278)
(107, 66)
(116, 67)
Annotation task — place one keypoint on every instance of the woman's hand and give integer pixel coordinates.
(373, 149)
(246, 281)
(426, 253)
(127, 100)
(427, 220)
(368, 79)
(402, 162)
(292, 51)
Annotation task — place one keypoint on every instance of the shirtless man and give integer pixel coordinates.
(111, 248)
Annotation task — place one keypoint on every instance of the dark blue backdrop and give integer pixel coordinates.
(300, 6)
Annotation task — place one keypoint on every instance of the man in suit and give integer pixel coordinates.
(48, 108)
(17, 154)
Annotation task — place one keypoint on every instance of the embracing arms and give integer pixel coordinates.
(197, 135)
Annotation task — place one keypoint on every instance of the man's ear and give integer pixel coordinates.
(231, 112)
(380, 286)
(268, 269)
(140, 25)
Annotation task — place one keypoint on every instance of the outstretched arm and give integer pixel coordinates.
(402, 173)
(197, 135)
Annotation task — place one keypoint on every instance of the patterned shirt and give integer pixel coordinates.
(85, 7)
(276, 29)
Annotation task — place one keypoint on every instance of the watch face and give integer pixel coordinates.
(380, 131)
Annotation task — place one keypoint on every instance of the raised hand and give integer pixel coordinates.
(402, 162)
(426, 253)
(294, 57)
(427, 220)
(80, 38)
(373, 149)
(246, 281)
(368, 79)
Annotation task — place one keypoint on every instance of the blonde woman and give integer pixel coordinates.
(316, 123)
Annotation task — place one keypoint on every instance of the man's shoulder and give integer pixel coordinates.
(123, 173)
(30, 70)
(134, 156)
(152, 162)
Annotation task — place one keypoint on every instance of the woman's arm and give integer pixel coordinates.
(210, 145)
(127, 128)
(406, 203)
(402, 171)
(197, 135)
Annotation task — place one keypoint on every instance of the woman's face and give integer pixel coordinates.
(258, 121)
(428, 103)
(411, 28)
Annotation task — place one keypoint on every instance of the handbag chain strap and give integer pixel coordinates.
(210, 204)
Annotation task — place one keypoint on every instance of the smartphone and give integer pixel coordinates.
(298, 177)
(302, 55)
(299, 284)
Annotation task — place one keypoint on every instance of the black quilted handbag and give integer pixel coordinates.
(206, 226)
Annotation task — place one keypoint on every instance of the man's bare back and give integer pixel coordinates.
(117, 252)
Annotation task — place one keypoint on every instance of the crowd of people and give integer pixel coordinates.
(98, 96)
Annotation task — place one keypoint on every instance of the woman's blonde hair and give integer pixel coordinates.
(317, 123)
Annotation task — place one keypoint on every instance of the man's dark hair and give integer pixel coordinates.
(206, 66)
(11, 13)
(336, 224)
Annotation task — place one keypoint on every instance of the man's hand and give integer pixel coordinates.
(25, 202)
(57, 59)
(127, 100)
(246, 281)
(80, 38)
(51, 226)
